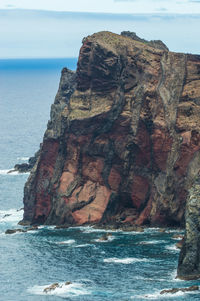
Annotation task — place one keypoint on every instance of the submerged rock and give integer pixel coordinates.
(176, 290)
(105, 237)
(122, 144)
(52, 287)
(12, 231)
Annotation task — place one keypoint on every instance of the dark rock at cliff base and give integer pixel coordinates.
(189, 259)
(154, 43)
(176, 290)
(123, 141)
(13, 231)
(26, 167)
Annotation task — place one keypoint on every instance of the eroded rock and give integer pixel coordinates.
(123, 141)
(13, 231)
(52, 287)
(176, 290)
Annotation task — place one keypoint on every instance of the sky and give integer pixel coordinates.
(55, 28)
(107, 6)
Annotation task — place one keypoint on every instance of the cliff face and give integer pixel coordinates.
(189, 259)
(122, 144)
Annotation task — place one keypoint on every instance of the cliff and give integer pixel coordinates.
(189, 259)
(122, 144)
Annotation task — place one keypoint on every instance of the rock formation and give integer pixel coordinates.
(122, 144)
(189, 259)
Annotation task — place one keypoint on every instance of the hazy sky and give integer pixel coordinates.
(107, 6)
(55, 28)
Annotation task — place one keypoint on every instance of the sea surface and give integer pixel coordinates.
(128, 266)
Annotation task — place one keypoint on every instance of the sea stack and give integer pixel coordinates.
(189, 259)
(122, 144)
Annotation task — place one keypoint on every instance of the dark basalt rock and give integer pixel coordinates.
(189, 259)
(176, 290)
(13, 231)
(26, 167)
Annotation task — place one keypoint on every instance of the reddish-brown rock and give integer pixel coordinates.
(123, 141)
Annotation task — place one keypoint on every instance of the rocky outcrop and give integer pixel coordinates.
(153, 43)
(189, 259)
(177, 290)
(122, 144)
(26, 167)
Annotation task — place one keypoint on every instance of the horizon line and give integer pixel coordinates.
(158, 13)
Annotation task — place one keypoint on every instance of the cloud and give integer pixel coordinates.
(27, 33)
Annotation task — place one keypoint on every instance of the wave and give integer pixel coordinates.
(46, 227)
(66, 291)
(108, 239)
(125, 260)
(173, 276)
(90, 229)
(151, 242)
(11, 215)
(12, 172)
(157, 296)
(23, 158)
(172, 248)
(66, 242)
(84, 245)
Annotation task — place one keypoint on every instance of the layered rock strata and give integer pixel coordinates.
(122, 144)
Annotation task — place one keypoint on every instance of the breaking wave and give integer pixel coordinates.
(66, 291)
(124, 260)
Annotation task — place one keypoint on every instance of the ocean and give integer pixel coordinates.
(128, 266)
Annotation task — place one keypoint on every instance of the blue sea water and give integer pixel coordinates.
(129, 266)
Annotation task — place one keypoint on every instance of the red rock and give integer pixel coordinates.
(124, 136)
(140, 190)
(93, 212)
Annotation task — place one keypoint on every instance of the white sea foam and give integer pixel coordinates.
(11, 172)
(152, 229)
(177, 231)
(151, 242)
(108, 239)
(174, 275)
(8, 172)
(66, 242)
(90, 229)
(133, 232)
(157, 296)
(46, 227)
(84, 245)
(172, 248)
(125, 260)
(66, 291)
(11, 215)
(23, 158)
